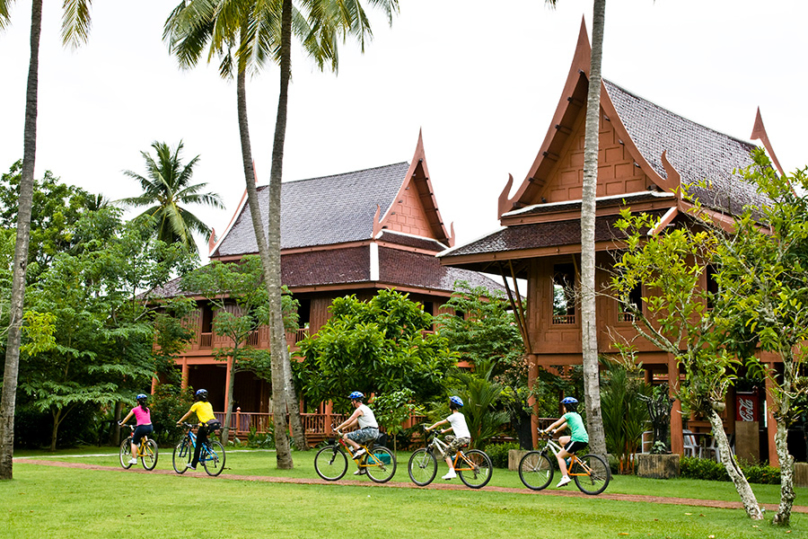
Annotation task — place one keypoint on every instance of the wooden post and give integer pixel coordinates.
(184, 383)
(532, 378)
(648, 375)
(677, 436)
(328, 410)
(771, 424)
(238, 419)
(227, 384)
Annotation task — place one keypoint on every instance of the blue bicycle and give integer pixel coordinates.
(211, 456)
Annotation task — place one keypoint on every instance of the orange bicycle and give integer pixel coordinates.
(590, 472)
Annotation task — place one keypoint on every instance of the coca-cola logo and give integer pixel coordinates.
(746, 409)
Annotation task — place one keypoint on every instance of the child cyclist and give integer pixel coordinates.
(577, 440)
(461, 437)
(207, 423)
(144, 424)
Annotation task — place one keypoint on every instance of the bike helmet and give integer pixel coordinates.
(457, 401)
(202, 394)
(569, 400)
(356, 395)
(142, 397)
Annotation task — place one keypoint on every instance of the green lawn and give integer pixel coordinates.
(46, 502)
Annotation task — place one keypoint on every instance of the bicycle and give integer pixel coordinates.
(331, 463)
(590, 472)
(212, 455)
(474, 467)
(146, 451)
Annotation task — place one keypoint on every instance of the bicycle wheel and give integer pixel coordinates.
(126, 454)
(331, 463)
(380, 464)
(423, 467)
(536, 470)
(595, 474)
(149, 455)
(183, 454)
(480, 475)
(214, 458)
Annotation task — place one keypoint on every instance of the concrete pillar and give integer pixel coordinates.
(677, 438)
(771, 424)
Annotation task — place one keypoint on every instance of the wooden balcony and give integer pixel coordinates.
(563, 319)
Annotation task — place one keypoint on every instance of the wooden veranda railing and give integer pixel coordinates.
(317, 426)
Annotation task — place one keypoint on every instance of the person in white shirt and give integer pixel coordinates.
(461, 438)
(368, 427)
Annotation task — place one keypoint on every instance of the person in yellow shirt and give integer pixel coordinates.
(207, 423)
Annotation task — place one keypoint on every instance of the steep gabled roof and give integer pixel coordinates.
(698, 153)
(321, 211)
(652, 135)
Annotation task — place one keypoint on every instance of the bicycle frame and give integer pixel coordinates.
(362, 460)
(144, 441)
(555, 448)
(206, 452)
(459, 455)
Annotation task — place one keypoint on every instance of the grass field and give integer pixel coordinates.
(45, 502)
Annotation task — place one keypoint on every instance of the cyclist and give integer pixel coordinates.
(207, 423)
(577, 440)
(144, 424)
(368, 427)
(462, 436)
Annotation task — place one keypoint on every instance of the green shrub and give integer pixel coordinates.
(168, 404)
(694, 468)
(499, 453)
(257, 440)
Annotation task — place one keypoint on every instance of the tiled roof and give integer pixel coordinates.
(321, 211)
(412, 241)
(538, 235)
(425, 271)
(698, 153)
(334, 266)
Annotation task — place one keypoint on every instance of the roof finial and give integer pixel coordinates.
(759, 133)
(211, 240)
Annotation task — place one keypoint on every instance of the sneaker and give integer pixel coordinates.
(564, 482)
(450, 475)
(361, 471)
(190, 466)
(133, 461)
(359, 452)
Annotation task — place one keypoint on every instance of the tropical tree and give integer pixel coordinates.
(240, 301)
(166, 189)
(243, 35)
(75, 28)
(589, 331)
(677, 320)
(254, 29)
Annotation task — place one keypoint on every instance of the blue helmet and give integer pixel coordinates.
(457, 401)
(356, 395)
(142, 397)
(569, 400)
(201, 393)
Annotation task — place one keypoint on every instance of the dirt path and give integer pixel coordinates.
(435, 486)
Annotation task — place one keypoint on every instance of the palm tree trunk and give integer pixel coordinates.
(734, 471)
(11, 371)
(589, 333)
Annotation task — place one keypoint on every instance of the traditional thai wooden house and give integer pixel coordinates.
(352, 233)
(645, 153)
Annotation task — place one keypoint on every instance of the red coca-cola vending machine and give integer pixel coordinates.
(747, 407)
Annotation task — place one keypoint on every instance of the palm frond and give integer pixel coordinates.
(5, 15)
(75, 22)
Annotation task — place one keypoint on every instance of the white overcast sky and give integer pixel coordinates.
(482, 78)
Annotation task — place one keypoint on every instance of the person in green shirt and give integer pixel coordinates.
(577, 440)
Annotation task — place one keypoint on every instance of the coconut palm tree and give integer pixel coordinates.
(168, 187)
(243, 35)
(589, 334)
(75, 29)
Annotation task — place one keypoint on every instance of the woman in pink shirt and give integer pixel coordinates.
(144, 424)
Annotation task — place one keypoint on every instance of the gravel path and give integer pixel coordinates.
(435, 486)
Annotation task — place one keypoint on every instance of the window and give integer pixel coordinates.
(563, 294)
(429, 307)
(304, 312)
(635, 299)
